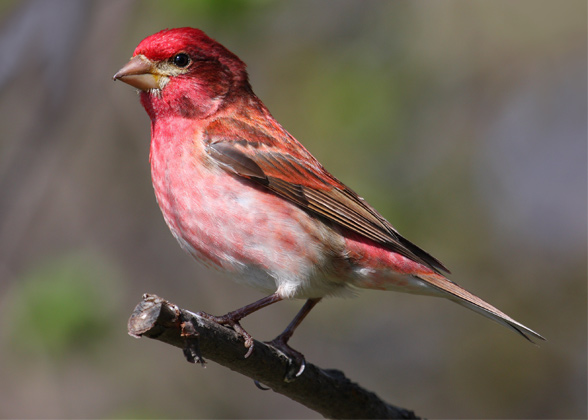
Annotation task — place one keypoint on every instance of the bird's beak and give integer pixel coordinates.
(140, 73)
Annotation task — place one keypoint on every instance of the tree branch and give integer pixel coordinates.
(327, 391)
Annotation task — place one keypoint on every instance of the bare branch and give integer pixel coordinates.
(329, 392)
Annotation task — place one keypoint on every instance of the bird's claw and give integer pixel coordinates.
(246, 337)
(234, 324)
(260, 386)
(296, 360)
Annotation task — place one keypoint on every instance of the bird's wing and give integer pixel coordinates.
(291, 172)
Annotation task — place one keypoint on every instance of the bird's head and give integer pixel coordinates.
(183, 72)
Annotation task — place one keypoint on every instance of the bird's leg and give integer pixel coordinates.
(232, 318)
(297, 362)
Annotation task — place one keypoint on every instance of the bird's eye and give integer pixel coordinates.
(181, 60)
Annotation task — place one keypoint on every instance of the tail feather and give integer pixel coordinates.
(470, 301)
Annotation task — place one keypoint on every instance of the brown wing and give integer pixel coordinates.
(291, 172)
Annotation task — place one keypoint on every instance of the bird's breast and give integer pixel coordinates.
(235, 225)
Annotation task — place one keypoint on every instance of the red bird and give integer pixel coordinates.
(242, 195)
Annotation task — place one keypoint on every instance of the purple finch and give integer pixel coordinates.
(242, 195)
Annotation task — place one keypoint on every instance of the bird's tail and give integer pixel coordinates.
(470, 301)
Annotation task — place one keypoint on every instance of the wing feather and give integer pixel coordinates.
(291, 172)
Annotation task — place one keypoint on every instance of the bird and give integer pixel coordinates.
(243, 196)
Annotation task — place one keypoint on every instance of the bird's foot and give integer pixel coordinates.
(296, 362)
(232, 322)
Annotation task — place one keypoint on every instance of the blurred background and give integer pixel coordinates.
(462, 122)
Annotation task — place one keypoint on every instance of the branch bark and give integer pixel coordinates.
(326, 391)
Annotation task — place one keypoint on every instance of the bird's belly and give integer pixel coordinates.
(234, 225)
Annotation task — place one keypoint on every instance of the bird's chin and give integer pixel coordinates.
(162, 81)
(152, 92)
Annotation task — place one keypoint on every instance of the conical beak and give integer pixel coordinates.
(139, 73)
